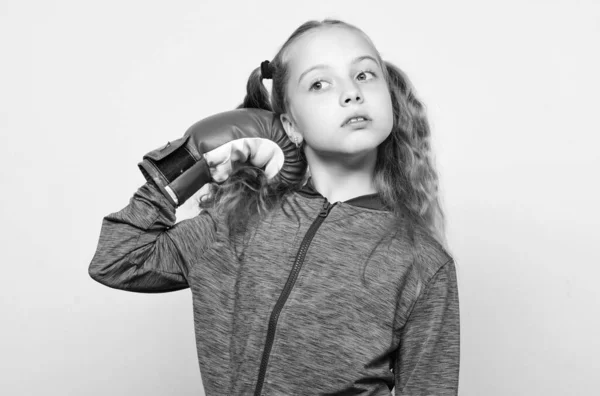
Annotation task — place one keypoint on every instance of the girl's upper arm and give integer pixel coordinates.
(428, 358)
(141, 249)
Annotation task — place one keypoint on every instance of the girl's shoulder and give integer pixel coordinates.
(424, 251)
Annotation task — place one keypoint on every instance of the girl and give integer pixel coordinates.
(335, 283)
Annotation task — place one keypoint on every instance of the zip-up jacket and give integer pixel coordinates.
(316, 298)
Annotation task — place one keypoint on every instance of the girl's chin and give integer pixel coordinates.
(346, 149)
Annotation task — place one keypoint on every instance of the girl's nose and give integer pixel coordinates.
(351, 95)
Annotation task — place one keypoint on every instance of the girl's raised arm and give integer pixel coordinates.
(140, 247)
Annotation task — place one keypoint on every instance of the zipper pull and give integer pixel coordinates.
(326, 208)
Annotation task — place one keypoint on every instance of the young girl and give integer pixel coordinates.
(329, 277)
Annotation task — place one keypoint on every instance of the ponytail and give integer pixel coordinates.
(257, 96)
(248, 194)
(405, 172)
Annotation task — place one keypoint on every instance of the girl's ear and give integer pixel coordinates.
(288, 125)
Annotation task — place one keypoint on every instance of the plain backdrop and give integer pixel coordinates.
(87, 88)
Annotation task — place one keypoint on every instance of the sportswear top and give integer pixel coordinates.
(316, 298)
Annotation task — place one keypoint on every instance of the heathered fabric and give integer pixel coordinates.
(369, 309)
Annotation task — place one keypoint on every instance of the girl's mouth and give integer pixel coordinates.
(356, 119)
(356, 123)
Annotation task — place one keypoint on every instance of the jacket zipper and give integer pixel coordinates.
(327, 206)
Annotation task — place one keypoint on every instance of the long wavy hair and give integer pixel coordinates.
(405, 176)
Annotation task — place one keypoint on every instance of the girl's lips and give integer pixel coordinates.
(357, 124)
(355, 116)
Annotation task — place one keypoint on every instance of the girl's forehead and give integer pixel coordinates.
(328, 44)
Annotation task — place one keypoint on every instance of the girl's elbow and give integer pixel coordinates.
(106, 272)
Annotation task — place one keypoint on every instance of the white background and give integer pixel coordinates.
(511, 89)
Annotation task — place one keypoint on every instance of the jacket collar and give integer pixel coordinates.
(369, 201)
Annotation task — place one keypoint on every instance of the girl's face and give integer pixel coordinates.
(335, 75)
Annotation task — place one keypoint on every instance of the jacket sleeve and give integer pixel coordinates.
(428, 359)
(141, 249)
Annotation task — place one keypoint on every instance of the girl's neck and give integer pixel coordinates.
(342, 180)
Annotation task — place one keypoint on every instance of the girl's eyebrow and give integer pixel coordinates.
(321, 66)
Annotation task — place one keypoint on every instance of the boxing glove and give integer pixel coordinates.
(206, 151)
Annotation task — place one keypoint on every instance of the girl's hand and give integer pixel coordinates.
(209, 148)
(260, 152)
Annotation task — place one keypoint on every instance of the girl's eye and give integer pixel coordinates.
(363, 73)
(317, 85)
